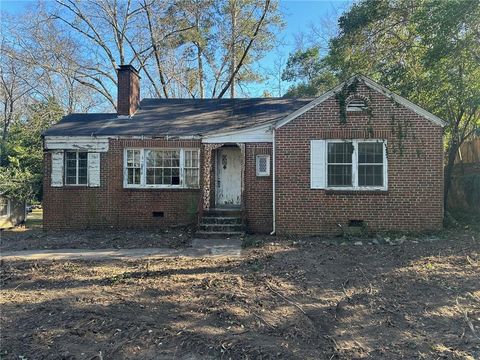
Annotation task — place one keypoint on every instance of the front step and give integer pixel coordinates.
(221, 223)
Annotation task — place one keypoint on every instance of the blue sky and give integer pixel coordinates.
(299, 15)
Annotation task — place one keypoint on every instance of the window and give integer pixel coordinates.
(370, 164)
(192, 168)
(4, 207)
(348, 165)
(340, 164)
(133, 167)
(76, 168)
(162, 168)
(263, 165)
(356, 164)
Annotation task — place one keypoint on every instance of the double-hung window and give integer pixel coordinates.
(162, 168)
(76, 168)
(349, 164)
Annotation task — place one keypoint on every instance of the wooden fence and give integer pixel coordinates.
(469, 152)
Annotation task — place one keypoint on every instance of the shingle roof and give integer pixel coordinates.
(180, 117)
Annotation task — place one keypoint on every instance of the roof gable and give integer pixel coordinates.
(374, 86)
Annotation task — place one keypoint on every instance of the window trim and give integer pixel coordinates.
(143, 169)
(355, 186)
(257, 165)
(76, 167)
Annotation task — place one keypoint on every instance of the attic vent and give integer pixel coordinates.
(357, 104)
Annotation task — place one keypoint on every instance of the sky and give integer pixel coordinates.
(299, 16)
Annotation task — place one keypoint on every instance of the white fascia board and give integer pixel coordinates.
(86, 143)
(373, 85)
(261, 133)
(98, 143)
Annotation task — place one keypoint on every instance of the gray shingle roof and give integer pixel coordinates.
(180, 117)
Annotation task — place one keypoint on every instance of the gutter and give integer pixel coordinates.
(273, 181)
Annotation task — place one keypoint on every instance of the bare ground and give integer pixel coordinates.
(28, 239)
(295, 299)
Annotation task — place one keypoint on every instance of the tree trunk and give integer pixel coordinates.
(233, 57)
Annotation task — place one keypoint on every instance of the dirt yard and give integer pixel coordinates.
(31, 237)
(296, 299)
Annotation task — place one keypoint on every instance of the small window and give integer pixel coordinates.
(76, 168)
(4, 205)
(356, 104)
(263, 165)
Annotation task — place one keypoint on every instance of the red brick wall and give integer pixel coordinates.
(128, 96)
(258, 190)
(415, 172)
(110, 205)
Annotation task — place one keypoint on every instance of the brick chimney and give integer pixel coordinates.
(128, 92)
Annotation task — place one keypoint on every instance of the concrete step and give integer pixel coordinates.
(221, 227)
(223, 212)
(219, 234)
(221, 220)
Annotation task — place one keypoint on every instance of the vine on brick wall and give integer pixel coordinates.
(342, 97)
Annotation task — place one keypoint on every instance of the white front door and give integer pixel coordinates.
(229, 176)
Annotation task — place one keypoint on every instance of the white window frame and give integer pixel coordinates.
(143, 170)
(76, 167)
(257, 165)
(355, 185)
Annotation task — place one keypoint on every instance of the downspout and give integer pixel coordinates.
(273, 182)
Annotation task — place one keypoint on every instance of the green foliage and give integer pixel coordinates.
(21, 154)
(342, 96)
(304, 65)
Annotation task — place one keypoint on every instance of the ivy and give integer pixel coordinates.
(342, 97)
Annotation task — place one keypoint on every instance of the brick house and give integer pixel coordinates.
(357, 155)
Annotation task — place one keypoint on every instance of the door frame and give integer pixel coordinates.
(217, 176)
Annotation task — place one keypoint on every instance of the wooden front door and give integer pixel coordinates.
(229, 177)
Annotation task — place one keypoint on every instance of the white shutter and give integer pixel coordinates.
(317, 164)
(57, 168)
(93, 169)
